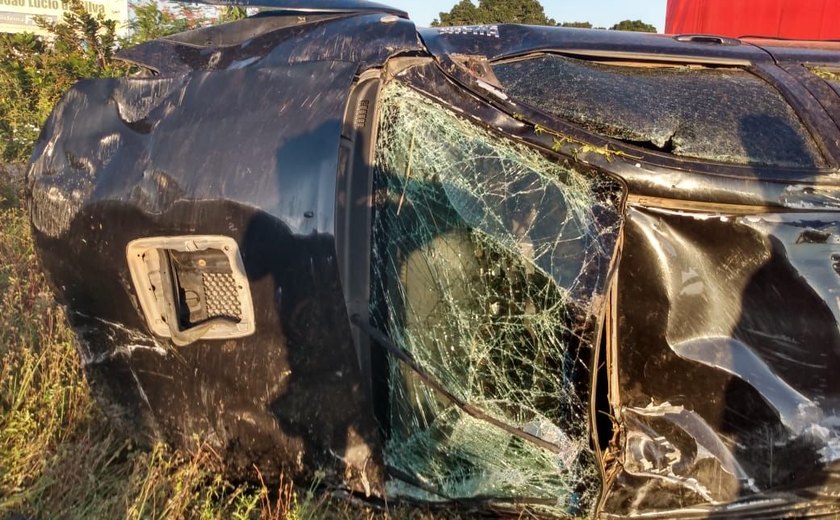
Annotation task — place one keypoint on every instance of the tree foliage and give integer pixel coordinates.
(529, 12)
(577, 25)
(151, 22)
(463, 13)
(231, 13)
(633, 25)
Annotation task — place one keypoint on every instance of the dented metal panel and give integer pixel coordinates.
(275, 40)
(727, 395)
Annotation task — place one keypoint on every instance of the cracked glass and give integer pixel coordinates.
(725, 115)
(490, 264)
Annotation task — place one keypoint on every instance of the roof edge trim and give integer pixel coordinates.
(310, 6)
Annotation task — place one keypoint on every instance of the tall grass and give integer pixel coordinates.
(60, 459)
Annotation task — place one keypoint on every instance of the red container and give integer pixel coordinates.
(794, 19)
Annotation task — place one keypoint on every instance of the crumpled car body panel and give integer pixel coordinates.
(461, 293)
(717, 323)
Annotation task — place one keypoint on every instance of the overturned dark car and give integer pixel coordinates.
(568, 272)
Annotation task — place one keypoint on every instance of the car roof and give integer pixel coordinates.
(498, 41)
(310, 6)
(505, 40)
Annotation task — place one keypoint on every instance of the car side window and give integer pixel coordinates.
(717, 114)
(489, 262)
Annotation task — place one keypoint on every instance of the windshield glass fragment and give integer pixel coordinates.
(724, 115)
(489, 266)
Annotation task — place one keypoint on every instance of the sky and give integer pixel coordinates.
(601, 13)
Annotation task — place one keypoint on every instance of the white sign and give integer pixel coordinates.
(18, 16)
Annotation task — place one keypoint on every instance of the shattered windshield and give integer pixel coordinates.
(490, 263)
(724, 115)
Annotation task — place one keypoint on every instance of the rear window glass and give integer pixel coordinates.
(724, 115)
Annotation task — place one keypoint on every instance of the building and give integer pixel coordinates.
(791, 19)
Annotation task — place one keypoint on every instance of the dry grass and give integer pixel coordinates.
(59, 458)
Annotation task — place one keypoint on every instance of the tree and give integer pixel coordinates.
(85, 41)
(577, 25)
(529, 12)
(633, 25)
(232, 13)
(463, 13)
(151, 22)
